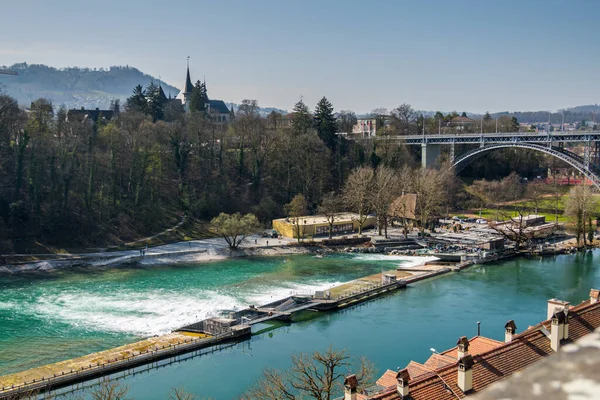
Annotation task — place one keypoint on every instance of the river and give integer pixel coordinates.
(52, 316)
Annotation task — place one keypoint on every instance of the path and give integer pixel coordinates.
(183, 219)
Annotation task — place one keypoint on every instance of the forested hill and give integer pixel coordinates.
(74, 87)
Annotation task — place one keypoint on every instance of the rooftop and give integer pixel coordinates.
(321, 219)
(492, 360)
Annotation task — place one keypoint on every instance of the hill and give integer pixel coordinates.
(75, 87)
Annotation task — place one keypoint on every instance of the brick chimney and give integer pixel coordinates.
(462, 347)
(402, 377)
(557, 329)
(350, 385)
(554, 304)
(465, 373)
(509, 330)
(594, 296)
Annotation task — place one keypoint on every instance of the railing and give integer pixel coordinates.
(111, 364)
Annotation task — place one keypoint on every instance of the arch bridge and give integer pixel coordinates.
(549, 143)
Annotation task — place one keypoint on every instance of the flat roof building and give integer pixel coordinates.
(315, 225)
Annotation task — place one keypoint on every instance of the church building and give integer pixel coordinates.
(216, 109)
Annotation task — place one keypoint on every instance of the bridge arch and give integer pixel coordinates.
(574, 160)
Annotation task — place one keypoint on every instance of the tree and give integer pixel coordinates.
(325, 123)
(317, 376)
(180, 394)
(402, 119)
(198, 98)
(381, 117)
(581, 204)
(235, 227)
(385, 191)
(346, 121)
(428, 185)
(295, 209)
(357, 193)
(154, 102)
(514, 125)
(302, 120)
(330, 206)
(514, 229)
(535, 192)
(137, 101)
(110, 390)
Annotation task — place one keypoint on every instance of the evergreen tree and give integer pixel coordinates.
(137, 101)
(154, 102)
(325, 122)
(199, 97)
(302, 120)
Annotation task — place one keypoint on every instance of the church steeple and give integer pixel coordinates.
(188, 82)
(186, 91)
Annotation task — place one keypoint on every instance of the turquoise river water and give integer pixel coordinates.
(53, 316)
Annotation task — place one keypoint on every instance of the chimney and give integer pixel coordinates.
(554, 304)
(557, 329)
(402, 386)
(462, 347)
(465, 373)
(566, 325)
(350, 385)
(594, 296)
(509, 330)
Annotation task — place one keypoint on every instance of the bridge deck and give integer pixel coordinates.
(514, 137)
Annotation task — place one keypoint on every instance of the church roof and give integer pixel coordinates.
(188, 87)
(218, 106)
(161, 93)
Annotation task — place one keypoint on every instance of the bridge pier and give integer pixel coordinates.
(429, 154)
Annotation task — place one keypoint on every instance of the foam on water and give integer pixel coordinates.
(404, 261)
(151, 312)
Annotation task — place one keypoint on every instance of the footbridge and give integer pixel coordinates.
(551, 143)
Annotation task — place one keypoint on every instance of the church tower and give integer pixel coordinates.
(185, 93)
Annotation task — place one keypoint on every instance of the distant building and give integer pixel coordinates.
(365, 127)
(83, 115)
(217, 109)
(314, 225)
(460, 122)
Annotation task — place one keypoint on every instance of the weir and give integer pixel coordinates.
(210, 332)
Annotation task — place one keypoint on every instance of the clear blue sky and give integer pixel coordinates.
(435, 55)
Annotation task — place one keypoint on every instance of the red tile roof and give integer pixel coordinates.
(477, 345)
(437, 361)
(499, 361)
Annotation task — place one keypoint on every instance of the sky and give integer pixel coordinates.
(476, 56)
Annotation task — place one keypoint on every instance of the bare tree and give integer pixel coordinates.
(330, 206)
(357, 193)
(346, 120)
(402, 119)
(514, 229)
(581, 204)
(180, 394)
(317, 376)
(110, 390)
(385, 191)
(535, 192)
(428, 185)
